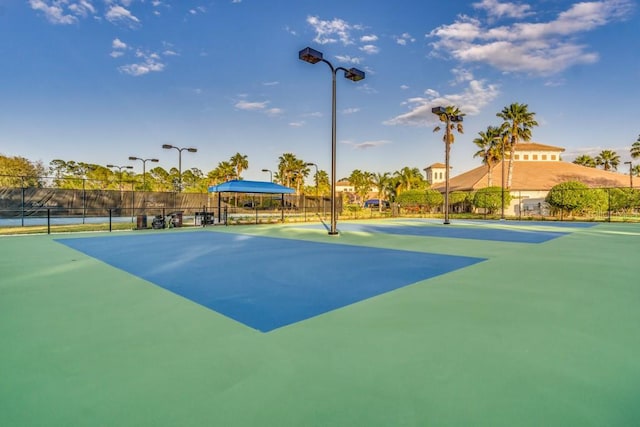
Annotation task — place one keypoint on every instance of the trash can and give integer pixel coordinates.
(177, 220)
(142, 222)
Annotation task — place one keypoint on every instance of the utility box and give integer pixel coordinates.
(142, 222)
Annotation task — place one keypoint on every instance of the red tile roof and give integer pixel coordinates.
(531, 175)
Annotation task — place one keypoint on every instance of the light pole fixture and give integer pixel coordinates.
(120, 171)
(316, 166)
(448, 119)
(180, 150)
(313, 56)
(630, 173)
(270, 174)
(144, 170)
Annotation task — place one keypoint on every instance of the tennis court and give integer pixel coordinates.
(404, 322)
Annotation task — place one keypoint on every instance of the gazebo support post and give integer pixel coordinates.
(282, 208)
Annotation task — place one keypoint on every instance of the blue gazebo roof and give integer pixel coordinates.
(242, 186)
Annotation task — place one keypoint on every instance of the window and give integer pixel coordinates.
(526, 157)
(544, 157)
(535, 157)
(553, 157)
(516, 157)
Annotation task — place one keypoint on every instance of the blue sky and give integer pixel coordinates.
(98, 81)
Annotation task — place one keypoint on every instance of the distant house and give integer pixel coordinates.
(435, 173)
(536, 169)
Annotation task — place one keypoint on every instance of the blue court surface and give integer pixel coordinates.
(264, 282)
(456, 232)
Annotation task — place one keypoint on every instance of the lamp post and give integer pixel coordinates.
(270, 174)
(312, 56)
(120, 171)
(316, 166)
(144, 170)
(502, 184)
(449, 118)
(630, 173)
(180, 150)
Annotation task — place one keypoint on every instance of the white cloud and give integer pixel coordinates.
(369, 38)
(350, 110)
(496, 9)
(404, 38)
(54, 11)
(116, 54)
(117, 14)
(251, 106)
(404, 87)
(118, 44)
(258, 106)
(541, 48)
(275, 83)
(348, 59)
(297, 124)
(368, 144)
(149, 63)
(332, 31)
(370, 49)
(470, 101)
(461, 75)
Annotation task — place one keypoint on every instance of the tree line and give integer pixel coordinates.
(495, 143)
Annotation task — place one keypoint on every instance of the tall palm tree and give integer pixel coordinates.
(635, 149)
(288, 163)
(381, 182)
(490, 151)
(608, 159)
(451, 110)
(519, 120)
(585, 160)
(240, 162)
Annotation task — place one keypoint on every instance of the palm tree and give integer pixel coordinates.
(635, 149)
(361, 182)
(381, 182)
(299, 172)
(406, 178)
(519, 121)
(451, 110)
(489, 150)
(608, 159)
(585, 160)
(240, 162)
(288, 164)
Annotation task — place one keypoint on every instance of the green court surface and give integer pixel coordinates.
(542, 333)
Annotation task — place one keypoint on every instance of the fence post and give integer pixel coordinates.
(609, 204)
(110, 228)
(48, 221)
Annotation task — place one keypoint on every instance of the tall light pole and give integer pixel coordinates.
(316, 166)
(144, 170)
(449, 118)
(630, 173)
(502, 139)
(270, 174)
(120, 171)
(180, 150)
(312, 56)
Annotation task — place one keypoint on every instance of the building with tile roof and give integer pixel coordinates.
(536, 169)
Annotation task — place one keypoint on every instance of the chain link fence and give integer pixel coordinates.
(103, 208)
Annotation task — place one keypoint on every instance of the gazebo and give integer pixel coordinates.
(251, 187)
